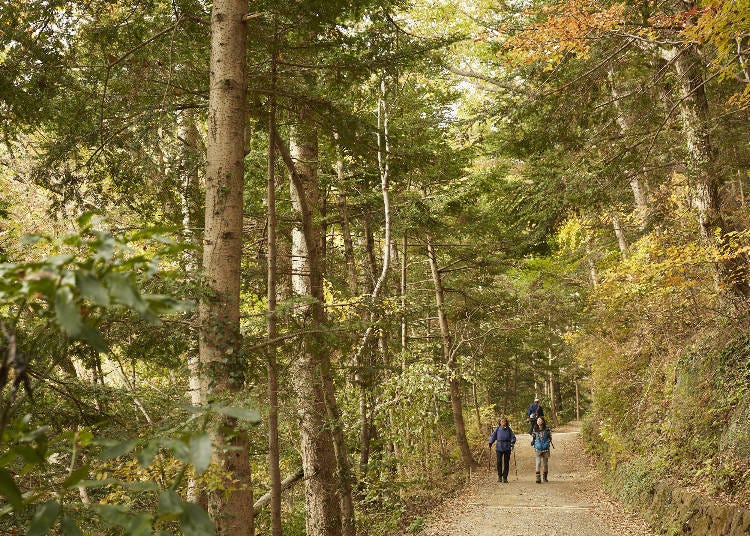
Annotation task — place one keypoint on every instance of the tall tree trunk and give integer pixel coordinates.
(702, 168)
(188, 135)
(274, 471)
(402, 296)
(636, 185)
(552, 399)
(454, 377)
(323, 514)
(592, 268)
(231, 507)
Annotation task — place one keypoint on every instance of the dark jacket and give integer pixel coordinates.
(535, 410)
(504, 439)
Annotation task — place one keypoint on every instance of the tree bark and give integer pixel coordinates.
(552, 400)
(232, 507)
(636, 185)
(274, 471)
(402, 297)
(454, 376)
(702, 169)
(323, 512)
(621, 240)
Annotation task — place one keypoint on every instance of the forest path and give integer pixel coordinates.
(572, 503)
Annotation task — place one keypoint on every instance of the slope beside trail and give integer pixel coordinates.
(572, 503)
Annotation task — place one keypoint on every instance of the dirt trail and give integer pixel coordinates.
(572, 503)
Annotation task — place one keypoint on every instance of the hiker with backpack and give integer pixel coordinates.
(504, 440)
(541, 440)
(535, 410)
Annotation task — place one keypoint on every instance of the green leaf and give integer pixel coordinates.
(200, 452)
(66, 312)
(94, 338)
(29, 455)
(76, 476)
(242, 414)
(58, 261)
(85, 437)
(170, 503)
(118, 449)
(9, 489)
(139, 526)
(30, 239)
(44, 518)
(69, 527)
(123, 290)
(85, 218)
(114, 514)
(106, 246)
(180, 448)
(148, 453)
(91, 288)
(194, 521)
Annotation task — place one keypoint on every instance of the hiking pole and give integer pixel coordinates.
(515, 463)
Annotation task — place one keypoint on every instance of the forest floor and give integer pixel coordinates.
(572, 503)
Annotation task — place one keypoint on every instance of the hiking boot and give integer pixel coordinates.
(505, 479)
(545, 477)
(538, 479)
(499, 479)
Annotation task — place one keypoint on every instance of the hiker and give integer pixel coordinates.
(504, 440)
(535, 410)
(541, 440)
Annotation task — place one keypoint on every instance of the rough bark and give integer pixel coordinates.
(232, 507)
(322, 504)
(702, 170)
(454, 377)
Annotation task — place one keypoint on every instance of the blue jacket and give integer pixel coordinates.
(541, 440)
(504, 438)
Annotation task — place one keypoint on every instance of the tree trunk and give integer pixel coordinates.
(232, 507)
(322, 505)
(188, 135)
(552, 400)
(621, 241)
(638, 188)
(274, 472)
(402, 296)
(702, 169)
(454, 377)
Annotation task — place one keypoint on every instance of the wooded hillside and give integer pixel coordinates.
(279, 267)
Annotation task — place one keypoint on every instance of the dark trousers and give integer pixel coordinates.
(503, 463)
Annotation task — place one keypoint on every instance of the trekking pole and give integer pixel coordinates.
(515, 463)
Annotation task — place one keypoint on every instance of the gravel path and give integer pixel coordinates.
(571, 504)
